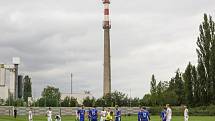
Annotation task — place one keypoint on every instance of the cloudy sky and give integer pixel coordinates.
(57, 37)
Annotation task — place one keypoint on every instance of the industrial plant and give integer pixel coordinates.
(11, 83)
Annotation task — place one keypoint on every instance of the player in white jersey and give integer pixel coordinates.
(49, 115)
(77, 115)
(30, 115)
(57, 117)
(186, 115)
(103, 114)
(168, 113)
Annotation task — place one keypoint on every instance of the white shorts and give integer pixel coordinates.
(49, 119)
(168, 119)
(186, 118)
(102, 118)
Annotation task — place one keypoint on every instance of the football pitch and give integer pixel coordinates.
(130, 118)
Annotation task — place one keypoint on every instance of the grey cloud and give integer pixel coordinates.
(54, 38)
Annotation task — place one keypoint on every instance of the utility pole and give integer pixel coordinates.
(71, 83)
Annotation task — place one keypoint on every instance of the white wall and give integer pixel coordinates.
(3, 92)
(2, 76)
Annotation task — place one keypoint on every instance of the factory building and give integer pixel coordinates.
(10, 84)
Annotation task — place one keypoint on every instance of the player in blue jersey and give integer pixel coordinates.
(145, 115)
(140, 114)
(117, 114)
(89, 114)
(94, 114)
(81, 113)
(163, 114)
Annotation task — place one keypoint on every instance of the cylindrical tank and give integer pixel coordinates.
(20, 86)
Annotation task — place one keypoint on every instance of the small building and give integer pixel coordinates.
(79, 96)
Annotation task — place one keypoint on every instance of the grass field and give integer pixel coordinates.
(131, 118)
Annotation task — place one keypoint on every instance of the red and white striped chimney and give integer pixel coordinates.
(107, 60)
(106, 24)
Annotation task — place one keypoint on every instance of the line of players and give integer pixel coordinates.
(92, 114)
(108, 115)
(48, 115)
(166, 114)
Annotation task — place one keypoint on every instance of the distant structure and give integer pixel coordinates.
(16, 62)
(71, 83)
(107, 62)
(20, 86)
(79, 96)
(9, 85)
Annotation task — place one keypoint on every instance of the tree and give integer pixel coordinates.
(52, 96)
(69, 102)
(201, 78)
(188, 84)
(135, 102)
(19, 102)
(27, 88)
(89, 102)
(65, 102)
(160, 89)
(117, 98)
(153, 90)
(100, 102)
(196, 86)
(146, 101)
(206, 56)
(179, 87)
(73, 102)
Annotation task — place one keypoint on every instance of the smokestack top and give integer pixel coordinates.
(16, 60)
(106, 1)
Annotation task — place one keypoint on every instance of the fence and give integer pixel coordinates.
(8, 110)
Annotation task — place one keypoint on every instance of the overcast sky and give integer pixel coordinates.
(57, 37)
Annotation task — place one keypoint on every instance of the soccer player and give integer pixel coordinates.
(30, 115)
(94, 114)
(140, 114)
(168, 113)
(89, 114)
(108, 112)
(117, 114)
(49, 114)
(186, 116)
(145, 115)
(57, 117)
(103, 114)
(81, 113)
(77, 116)
(109, 116)
(163, 114)
(15, 112)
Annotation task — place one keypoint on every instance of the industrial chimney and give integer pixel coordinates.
(107, 62)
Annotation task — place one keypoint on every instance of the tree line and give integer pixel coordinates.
(196, 85)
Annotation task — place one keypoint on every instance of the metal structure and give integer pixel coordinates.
(107, 62)
(71, 83)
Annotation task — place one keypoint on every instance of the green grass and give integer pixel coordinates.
(131, 118)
